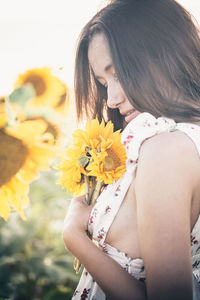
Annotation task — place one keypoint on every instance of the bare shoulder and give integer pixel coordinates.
(171, 152)
(170, 143)
(168, 174)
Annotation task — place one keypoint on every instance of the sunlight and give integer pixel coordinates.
(44, 33)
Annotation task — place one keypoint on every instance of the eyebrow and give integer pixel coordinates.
(106, 69)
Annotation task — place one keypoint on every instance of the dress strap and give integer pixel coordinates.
(141, 128)
(107, 207)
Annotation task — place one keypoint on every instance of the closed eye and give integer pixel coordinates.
(99, 79)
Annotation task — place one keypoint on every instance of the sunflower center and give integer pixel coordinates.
(112, 161)
(37, 82)
(13, 154)
(62, 100)
(51, 128)
(2, 100)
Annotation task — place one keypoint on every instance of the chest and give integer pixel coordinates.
(123, 232)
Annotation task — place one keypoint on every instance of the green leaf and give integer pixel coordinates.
(87, 149)
(22, 94)
(11, 114)
(83, 160)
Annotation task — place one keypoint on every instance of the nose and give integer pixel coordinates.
(114, 95)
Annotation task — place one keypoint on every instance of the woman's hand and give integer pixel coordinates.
(75, 224)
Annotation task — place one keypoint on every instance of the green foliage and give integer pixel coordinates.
(34, 265)
(22, 94)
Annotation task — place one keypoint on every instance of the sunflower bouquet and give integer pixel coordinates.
(95, 159)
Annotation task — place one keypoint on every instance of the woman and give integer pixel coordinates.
(138, 64)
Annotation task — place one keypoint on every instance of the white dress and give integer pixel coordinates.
(142, 127)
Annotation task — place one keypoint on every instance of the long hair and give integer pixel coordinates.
(155, 51)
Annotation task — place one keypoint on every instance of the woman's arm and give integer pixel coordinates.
(165, 183)
(111, 277)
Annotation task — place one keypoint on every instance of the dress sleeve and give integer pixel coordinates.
(141, 128)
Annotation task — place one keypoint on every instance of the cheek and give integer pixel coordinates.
(137, 113)
(128, 103)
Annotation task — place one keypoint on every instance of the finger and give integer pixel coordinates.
(79, 199)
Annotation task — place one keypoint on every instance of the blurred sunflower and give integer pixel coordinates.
(63, 101)
(25, 149)
(51, 121)
(51, 128)
(47, 87)
(19, 111)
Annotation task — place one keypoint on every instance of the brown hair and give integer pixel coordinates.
(155, 49)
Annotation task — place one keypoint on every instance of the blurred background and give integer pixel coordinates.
(34, 34)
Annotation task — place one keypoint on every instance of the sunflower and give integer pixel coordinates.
(72, 173)
(18, 111)
(109, 162)
(108, 155)
(25, 149)
(47, 87)
(93, 134)
(63, 101)
(51, 128)
(96, 152)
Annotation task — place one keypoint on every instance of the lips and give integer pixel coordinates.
(129, 115)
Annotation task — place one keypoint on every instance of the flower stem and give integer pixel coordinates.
(92, 188)
(96, 192)
(77, 265)
(87, 188)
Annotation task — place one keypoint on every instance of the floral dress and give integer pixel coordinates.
(136, 132)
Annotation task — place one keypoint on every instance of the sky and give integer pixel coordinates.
(37, 33)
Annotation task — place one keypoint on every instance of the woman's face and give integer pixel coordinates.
(100, 60)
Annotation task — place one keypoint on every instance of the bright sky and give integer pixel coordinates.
(37, 33)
